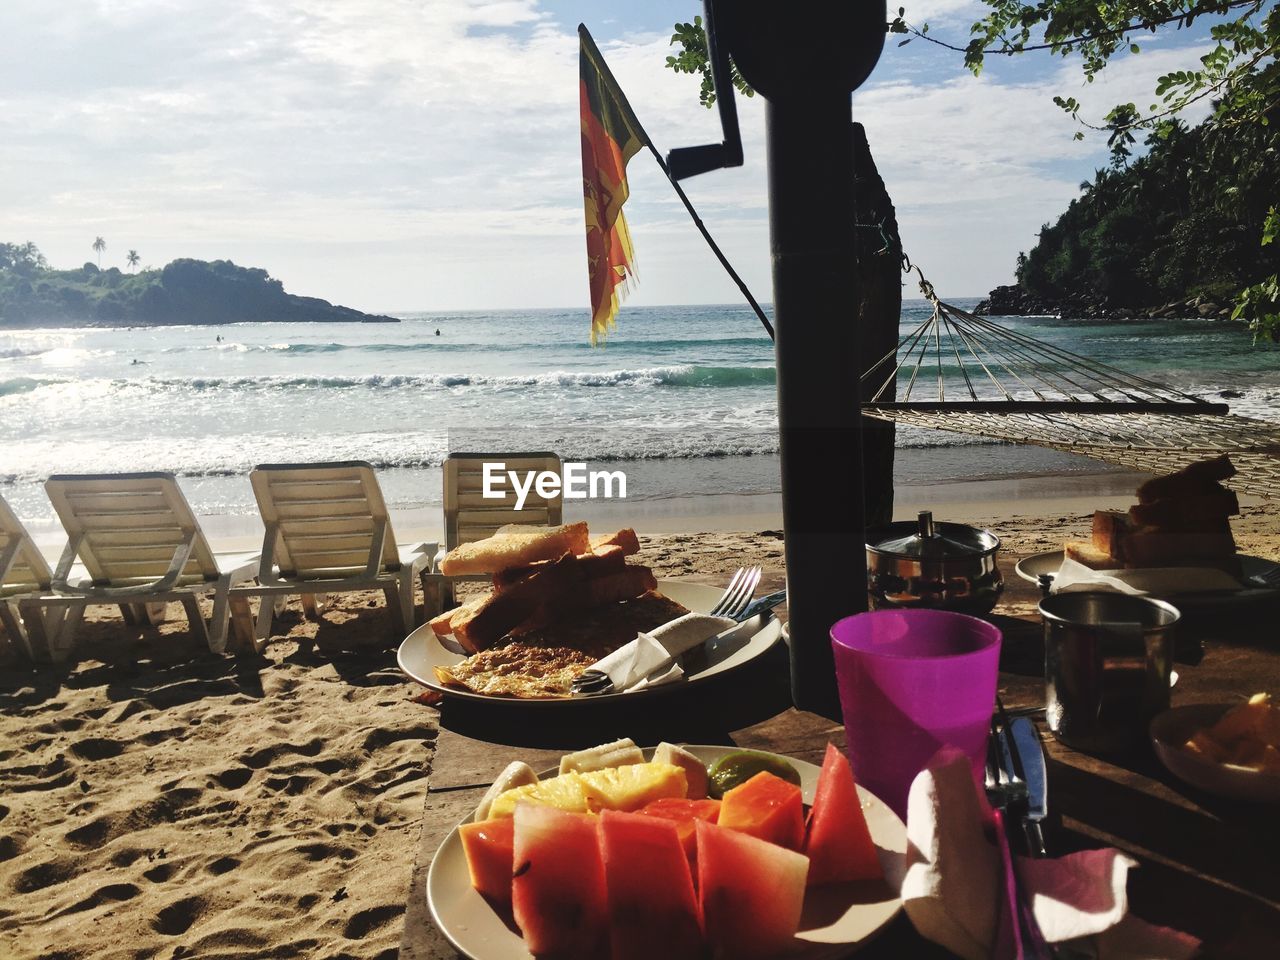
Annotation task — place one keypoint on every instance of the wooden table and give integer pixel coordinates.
(1209, 866)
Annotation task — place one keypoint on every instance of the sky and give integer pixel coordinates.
(403, 155)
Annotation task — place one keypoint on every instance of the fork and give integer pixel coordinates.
(731, 605)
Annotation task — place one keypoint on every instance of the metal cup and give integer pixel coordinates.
(1107, 662)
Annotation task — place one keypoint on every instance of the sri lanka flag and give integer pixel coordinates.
(611, 136)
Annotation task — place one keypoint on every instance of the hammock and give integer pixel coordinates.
(996, 383)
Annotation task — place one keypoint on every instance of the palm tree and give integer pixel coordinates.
(133, 259)
(98, 246)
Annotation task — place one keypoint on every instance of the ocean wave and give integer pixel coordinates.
(17, 353)
(452, 346)
(685, 375)
(19, 385)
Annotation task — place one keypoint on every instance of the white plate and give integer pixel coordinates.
(1171, 729)
(421, 651)
(837, 920)
(1048, 563)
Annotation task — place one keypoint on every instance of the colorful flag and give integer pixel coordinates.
(611, 136)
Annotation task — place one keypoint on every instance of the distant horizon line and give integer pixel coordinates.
(648, 306)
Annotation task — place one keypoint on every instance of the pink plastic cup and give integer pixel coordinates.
(911, 682)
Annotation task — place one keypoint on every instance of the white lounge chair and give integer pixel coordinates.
(328, 531)
(23, 572)
(141, 547)
(469, 515)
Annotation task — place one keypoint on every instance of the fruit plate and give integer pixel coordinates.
(1174, 727)
(422, 650)
(837, 920)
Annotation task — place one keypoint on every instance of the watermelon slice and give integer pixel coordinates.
(751, 892)
(684, 813)
(767, 807)
(838, 842)
(652, 908)
(557, 891)
(489, 849)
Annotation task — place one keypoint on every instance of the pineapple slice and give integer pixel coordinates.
(624, 788)
(631, 787)
(565, 792)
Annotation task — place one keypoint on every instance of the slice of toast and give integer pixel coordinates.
(442, 624)
(1084, 552)
(1194, 480)
(625, 538)
(1207, 512)
(515, 545)
(558, 592)
(597, 563)
(1109, 527)
(1161, 548)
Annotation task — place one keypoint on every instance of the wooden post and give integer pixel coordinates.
(805, 61)
(879, 311)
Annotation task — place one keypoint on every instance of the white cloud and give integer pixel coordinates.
(396, 154)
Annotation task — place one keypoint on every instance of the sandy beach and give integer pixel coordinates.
(157, 801)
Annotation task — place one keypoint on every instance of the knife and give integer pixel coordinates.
(1026, 742)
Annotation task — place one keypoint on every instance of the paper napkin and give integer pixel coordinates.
(1074, 576)
(646, 660)
(954, 881)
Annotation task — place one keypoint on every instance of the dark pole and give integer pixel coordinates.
(806, 60)
(815, 289)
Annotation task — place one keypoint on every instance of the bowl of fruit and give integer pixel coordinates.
(1232, 750)
(674, 851)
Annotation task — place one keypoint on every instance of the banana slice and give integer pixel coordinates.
(517, 774)
(695, 770)
(616, 754)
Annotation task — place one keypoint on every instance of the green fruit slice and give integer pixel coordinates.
(741, 765)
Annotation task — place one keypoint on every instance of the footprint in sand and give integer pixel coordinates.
(325, 851)
(233, 778)
(177, 918)
(222, 865)
(9, 848)
(92, 834)
(97, 748)
(111, 893)
(260, 758)
(384, 736)
(43, 875)
(161, 872)
(367, 921)
(289, 785)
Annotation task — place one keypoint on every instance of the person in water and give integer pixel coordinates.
(437, 331)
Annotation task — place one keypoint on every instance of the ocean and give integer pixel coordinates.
(681, 398)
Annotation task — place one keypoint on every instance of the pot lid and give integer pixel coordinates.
(930, 540)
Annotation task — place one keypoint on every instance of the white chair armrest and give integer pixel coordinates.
(181, 554)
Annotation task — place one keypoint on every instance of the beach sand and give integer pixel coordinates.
(158, 801)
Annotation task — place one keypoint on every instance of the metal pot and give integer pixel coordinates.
(942, 566)
(1108, 659)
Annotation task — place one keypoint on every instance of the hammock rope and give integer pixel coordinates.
(1033, 392)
